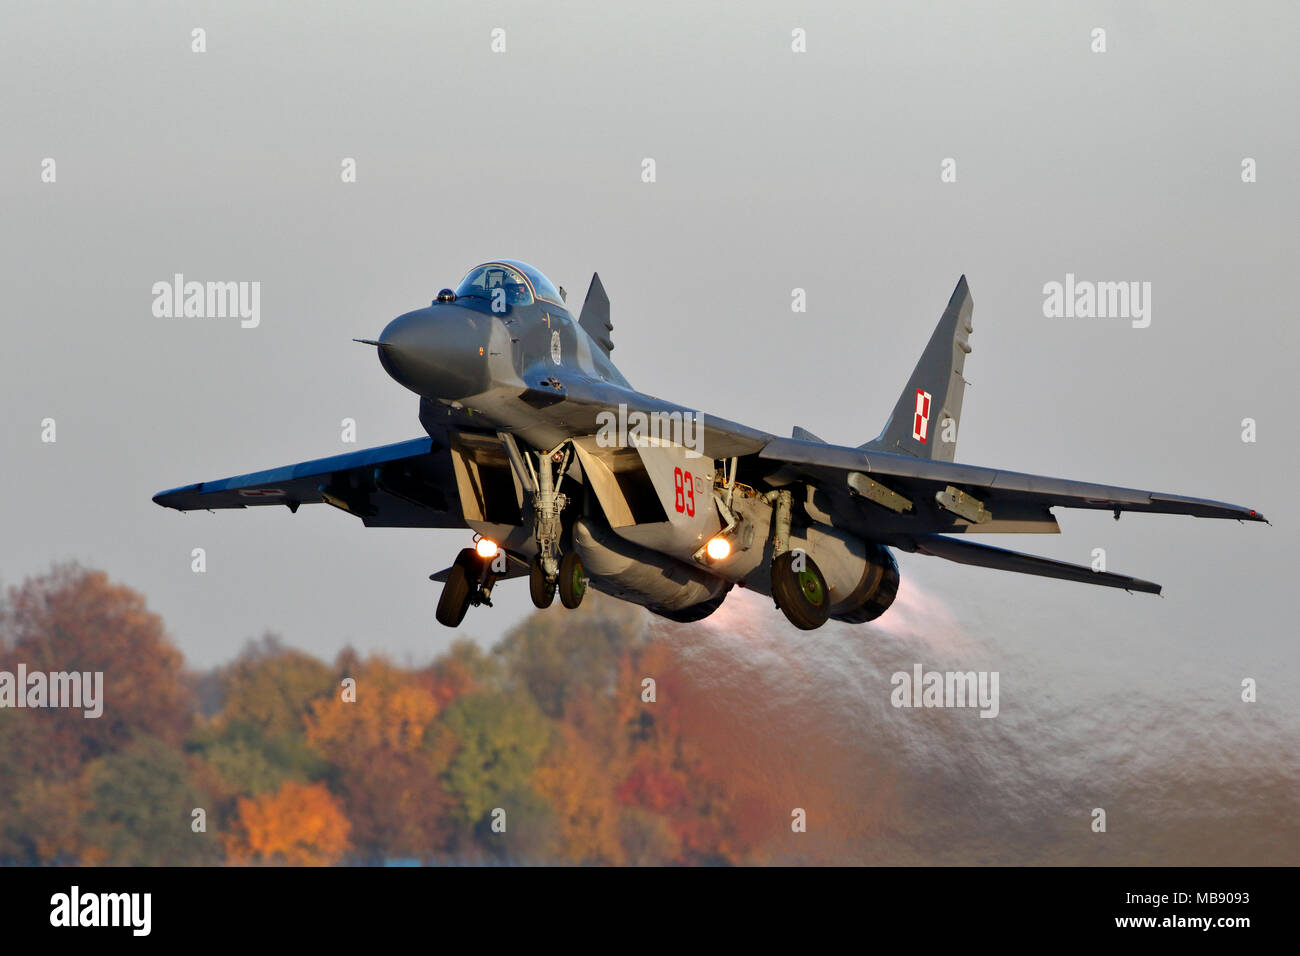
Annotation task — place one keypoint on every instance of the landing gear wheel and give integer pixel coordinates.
(456, 592)
(572, 579)
(802, 595)
(541, 590)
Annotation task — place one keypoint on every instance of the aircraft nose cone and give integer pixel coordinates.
(438, 352)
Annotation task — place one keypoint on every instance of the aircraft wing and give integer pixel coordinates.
(409, 484)
(919, 481)
(904, 501)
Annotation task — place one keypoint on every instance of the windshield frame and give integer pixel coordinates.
(487, 293)
(543, 288)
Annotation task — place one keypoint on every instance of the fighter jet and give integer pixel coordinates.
(569, 476)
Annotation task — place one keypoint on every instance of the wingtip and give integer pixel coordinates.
(167, 496)
(960, 291)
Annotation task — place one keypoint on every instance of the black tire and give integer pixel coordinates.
(802, 596)
(572, 580)
(540, 590)
(881, 598)
(454, 600)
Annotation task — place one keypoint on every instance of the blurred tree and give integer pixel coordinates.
(40, 816)
(245, 761)
(382, 765)
(391, 711)
(577, 783)
(141, 800)
(72, 619)
(500, 740)
(271, 687)
(661, 772)
(555, 656)
(464, 668)
(298, 825)
(549, 727)
(258, 739)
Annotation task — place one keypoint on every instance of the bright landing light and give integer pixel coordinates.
(486, 548)
(718, 548)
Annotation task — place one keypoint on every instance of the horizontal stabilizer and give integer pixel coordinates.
(516, 567)
(985, 556)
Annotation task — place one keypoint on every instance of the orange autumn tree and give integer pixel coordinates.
(462, 669)
(384, 760)
(298, 825)
(575, 780)
(53, 809)
(73, 619)
(663, 774)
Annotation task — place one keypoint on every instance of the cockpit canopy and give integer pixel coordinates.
(520, 284)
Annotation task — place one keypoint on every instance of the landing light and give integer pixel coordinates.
(718, 548)
(486, 548)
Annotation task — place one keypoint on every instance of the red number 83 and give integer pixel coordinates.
(684, 492)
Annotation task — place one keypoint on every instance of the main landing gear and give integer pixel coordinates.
(800, 590)
(469, 582)
(798, 587)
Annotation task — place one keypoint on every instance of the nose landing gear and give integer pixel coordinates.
(549, 571)
(573, 581)
(540, 589)
(469, 580)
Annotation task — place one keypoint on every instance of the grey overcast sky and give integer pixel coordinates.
(775, 170)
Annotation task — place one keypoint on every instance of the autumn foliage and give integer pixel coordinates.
(299, 824)
(545, 749)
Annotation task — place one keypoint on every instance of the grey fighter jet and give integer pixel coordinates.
(569, 476)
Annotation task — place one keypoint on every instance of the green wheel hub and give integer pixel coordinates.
(811, 586)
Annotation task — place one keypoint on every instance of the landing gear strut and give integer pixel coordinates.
(798, 587)
(548, 502)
